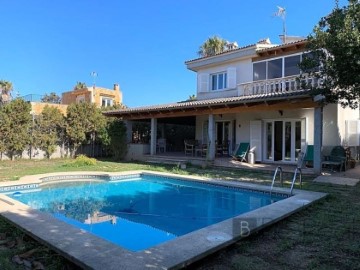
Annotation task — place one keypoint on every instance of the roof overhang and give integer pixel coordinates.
(262, 102)
(222, 58)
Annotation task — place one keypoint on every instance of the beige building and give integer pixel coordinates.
(102, 97)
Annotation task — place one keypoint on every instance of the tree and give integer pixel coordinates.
(51, 98)
(115, 136)
(335, 44)
(213, 45)
(15, 124)
(80, 85)
(48, 129)
(83, 120)
(5, 89)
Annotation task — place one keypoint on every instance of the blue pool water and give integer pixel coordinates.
(138, 213)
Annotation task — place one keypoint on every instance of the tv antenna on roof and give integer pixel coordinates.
(281, 12)
(94, 75)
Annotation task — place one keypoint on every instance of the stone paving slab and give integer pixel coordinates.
(336, 180)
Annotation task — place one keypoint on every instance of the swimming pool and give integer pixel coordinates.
(142, 211)
(89, 251)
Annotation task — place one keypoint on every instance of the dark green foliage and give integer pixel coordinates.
(83, 121)
(15, 126)
(80, 85)
(335, 43)
(51, 98)
(117, 136)
(49, 126)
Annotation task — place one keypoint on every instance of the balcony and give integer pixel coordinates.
(285, 84)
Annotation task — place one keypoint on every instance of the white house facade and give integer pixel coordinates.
(253, 94)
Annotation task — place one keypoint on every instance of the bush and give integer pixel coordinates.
(81, 161)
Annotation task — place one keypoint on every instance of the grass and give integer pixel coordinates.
(323, 236)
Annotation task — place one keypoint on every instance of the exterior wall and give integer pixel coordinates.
(37, 107)
(70, 97)
(116, 95)
(334, 122)
(98, 92)
(136, 151)
(243, 120)
(38, 154)
(243, 73)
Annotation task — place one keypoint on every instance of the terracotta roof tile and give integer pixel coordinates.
(211, 102)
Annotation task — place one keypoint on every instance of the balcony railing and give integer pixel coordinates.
(285, 84)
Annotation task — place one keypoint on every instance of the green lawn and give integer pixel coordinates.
(323, 236)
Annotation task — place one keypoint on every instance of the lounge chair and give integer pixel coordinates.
(241, 152)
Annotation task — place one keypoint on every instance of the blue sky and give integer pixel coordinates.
(47, 46)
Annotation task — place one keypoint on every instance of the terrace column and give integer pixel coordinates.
(128, 125)
(211, 138)
(153, 136)
(318, 134)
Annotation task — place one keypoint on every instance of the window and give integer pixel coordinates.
(292, 65)
(259, 71)
(219, 81)
(275, 69)
(106, 102)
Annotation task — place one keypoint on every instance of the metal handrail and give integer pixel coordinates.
(294, 179)
(274, 177)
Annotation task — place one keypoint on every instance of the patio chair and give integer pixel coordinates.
(241, 152)
(161, 145)
(190, 147)
(337, 158)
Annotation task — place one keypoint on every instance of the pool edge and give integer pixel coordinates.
(91, 252)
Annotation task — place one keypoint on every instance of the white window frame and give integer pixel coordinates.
(283, 63)
(108, 101)
(218, 86)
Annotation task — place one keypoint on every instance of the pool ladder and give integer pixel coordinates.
(279, 170)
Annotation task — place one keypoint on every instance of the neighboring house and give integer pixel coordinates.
(102, 97)
(251, 94)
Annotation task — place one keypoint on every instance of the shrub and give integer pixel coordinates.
(81, 161)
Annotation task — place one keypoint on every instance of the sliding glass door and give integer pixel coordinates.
(284, 139)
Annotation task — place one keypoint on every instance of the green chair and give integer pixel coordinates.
(309, 155)
(241, 152)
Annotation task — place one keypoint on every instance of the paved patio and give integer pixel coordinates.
(349, 177)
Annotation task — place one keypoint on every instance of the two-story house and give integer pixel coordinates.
(252, 94)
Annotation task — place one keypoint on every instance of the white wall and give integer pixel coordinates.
(243, 122)
(243, 74)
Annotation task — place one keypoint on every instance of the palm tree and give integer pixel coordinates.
(5, 88)
(80, 85)
(213, 45)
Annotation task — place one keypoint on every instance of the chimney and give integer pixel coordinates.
(116, 87)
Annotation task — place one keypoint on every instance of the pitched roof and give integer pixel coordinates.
(209, 103)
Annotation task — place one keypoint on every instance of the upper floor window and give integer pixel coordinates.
(292, 65)
(277, 68)
(106, 102)
(219, 81)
